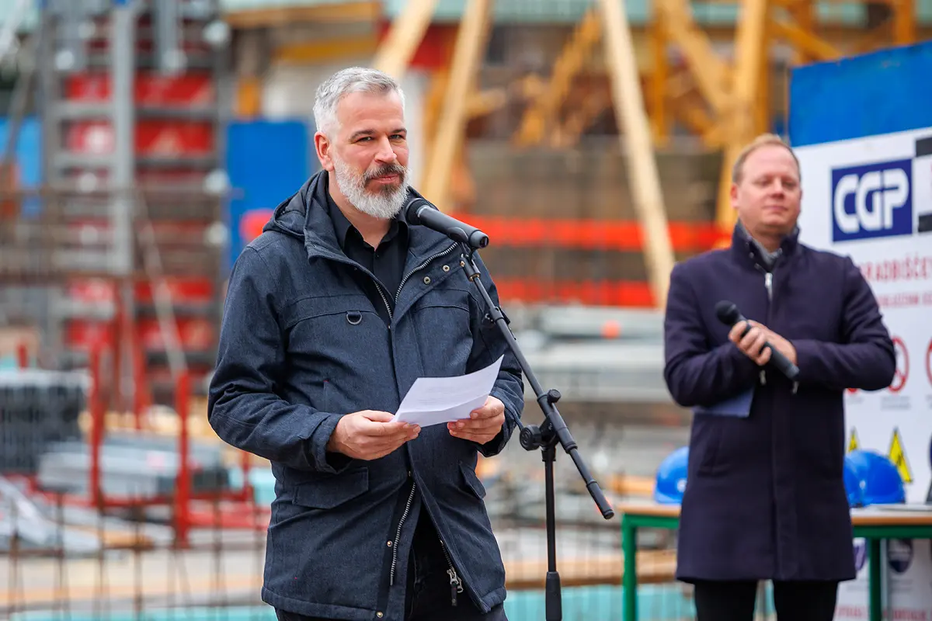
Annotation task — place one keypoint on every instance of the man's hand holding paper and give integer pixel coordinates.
(463, 402)
(482, 425)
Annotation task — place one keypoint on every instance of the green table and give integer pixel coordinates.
(873, 524)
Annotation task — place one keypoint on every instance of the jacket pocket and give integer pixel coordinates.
(443, 329)
(706, 446)
(343, 320)
(333, 491)
(473, 481)
(339, 338)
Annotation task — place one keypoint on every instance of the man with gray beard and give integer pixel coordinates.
(331, 315)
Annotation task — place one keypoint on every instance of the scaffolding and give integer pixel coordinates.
(125, 253)
(119, 270)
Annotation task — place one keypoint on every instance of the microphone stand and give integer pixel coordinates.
(544, 437)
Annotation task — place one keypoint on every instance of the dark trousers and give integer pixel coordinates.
(428, 595)
(793, 601)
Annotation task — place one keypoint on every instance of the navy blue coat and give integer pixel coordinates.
(300, 345)
(765, 496)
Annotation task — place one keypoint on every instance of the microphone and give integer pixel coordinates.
(419, 211)
(728, 313)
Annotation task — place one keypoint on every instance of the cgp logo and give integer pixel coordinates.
(872, 200)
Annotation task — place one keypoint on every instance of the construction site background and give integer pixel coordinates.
(144, 143)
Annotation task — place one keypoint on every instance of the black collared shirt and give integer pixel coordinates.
(387, 261)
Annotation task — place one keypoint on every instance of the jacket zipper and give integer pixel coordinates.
(456, 585)
(422, 266)
(768, 283)
(401, 523)
(388, 306)
(406, 278)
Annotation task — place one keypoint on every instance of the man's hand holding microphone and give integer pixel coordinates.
(757, 341)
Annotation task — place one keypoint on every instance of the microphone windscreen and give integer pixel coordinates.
(411, 210)
(727, 312)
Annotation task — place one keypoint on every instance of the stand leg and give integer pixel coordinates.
(554, 599)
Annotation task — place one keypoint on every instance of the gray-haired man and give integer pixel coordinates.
(332, 314)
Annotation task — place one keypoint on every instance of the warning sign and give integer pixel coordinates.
(902, 365)
(898, 456)
(929, 363)
(853, 443)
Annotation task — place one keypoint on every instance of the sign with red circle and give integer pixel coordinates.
(929, 362)
(902, 371)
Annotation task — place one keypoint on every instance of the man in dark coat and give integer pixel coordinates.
(765, 496)
(331, 315)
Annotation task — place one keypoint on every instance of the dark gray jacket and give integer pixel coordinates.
(301, 345)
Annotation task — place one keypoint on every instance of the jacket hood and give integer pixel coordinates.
(291, 214)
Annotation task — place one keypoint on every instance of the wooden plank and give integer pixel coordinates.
(636, 140)
(712, 74)
(568, 133)
(154, 587)
(892, 517)
(809, 46)
(761, 97)
(660, 72)
(654, 567)
(693, 115)
(288, 15)
(803, 12)
(119, 539)
(486, 102)
(316, 51)
(904, 21)
(651, 509)
(248, 97)
(750, 50)
(467, 58)
(405, 35)
(539, 116)
(629, 485)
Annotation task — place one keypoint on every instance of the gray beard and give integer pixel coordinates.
(384, 204)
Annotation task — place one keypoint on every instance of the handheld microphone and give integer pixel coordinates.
(419, 211)
(728, 313)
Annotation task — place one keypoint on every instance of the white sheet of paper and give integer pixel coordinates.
(435, 400)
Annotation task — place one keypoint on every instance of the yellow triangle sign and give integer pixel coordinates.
(853, 443)
(898, 456)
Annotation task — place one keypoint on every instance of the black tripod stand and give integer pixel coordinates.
(544, 437)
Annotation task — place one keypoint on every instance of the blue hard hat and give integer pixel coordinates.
(671, 477)
(853, 485)
(878, 478)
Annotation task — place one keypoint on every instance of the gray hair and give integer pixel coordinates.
(344, 82)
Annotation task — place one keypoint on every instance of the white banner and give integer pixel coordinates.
(871, 199)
